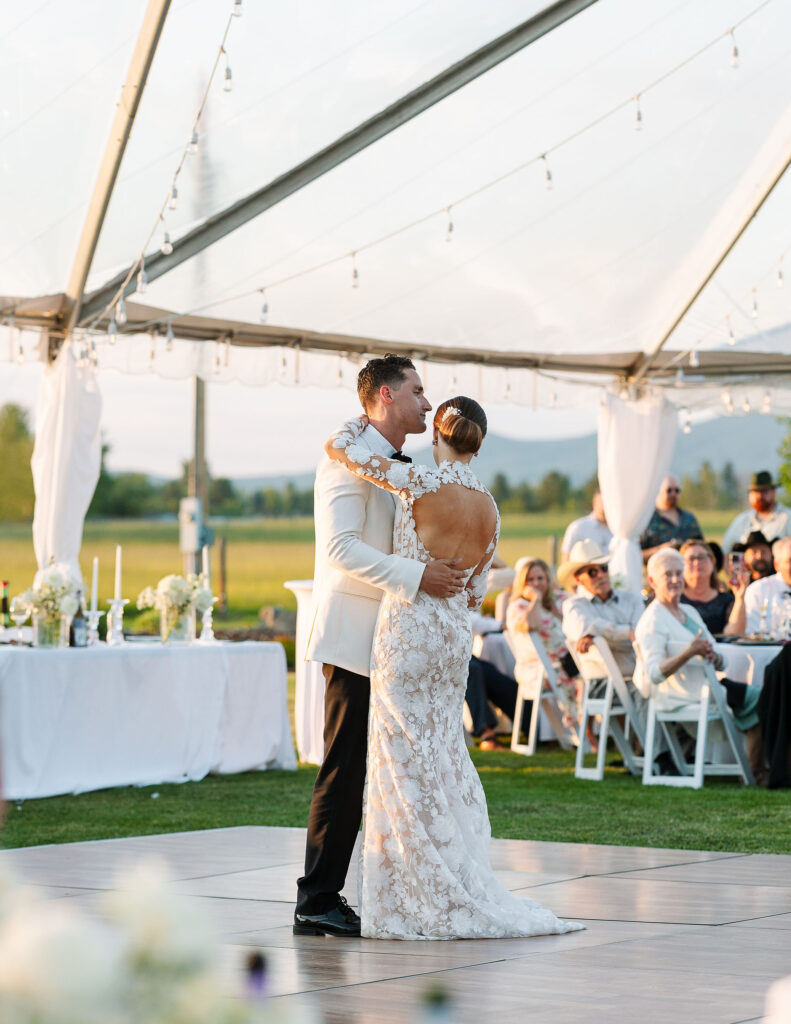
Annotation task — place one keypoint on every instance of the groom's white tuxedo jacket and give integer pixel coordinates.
(354, 562)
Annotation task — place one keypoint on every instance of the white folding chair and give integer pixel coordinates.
(713, 707)
(614, 702)
(542, 688)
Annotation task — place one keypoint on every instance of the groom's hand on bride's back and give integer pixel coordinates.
(441, 578)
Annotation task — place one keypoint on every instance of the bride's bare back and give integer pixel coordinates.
(455, 522)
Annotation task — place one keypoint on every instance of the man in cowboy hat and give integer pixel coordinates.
(766, 516)
(595, 609)
(757, 556)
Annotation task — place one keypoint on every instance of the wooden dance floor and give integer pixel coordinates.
(672, 935)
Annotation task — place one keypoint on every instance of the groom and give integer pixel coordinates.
(354, 565)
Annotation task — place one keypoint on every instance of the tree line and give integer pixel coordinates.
(136, 495)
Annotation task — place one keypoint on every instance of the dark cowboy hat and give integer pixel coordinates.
(762, 481)
(753, 540)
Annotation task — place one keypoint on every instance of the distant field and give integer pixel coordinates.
(261, 554)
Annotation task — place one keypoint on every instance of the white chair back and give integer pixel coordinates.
(542, 689)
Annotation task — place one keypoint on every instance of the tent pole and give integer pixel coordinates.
(766, 170)
(420, 99)
(125, 114)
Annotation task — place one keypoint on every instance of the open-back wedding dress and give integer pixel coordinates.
(425, 871)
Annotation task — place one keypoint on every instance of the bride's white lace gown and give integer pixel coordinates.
(424, 867)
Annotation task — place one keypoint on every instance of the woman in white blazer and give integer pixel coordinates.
(674, 647)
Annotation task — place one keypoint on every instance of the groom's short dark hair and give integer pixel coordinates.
(389, 370)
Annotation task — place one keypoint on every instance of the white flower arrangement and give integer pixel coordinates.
(145, 956)
(175, 594)
(54, 592)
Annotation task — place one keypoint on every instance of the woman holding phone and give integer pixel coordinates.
(722, 610)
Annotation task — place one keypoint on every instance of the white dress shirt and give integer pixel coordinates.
(770, 589)
(774, 524)
(587, 528)
(587, 615)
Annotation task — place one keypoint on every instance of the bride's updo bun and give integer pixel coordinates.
(461, 423)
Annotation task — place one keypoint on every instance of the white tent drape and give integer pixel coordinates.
(636, 441)
(66, 459)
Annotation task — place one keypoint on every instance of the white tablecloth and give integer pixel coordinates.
(746, 663)
(141, 714)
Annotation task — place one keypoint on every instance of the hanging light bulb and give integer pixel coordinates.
(754, 310)
(166, 246)
(734, 51)
(547, 172)
(283, 366)
(355, 273)
(745, 404)
(339, 370)
(449, 228)
(237, 9)
(679, 381)
(112, 331)
(217, 358)
(687, 428)
(694, 359)
(727, 401)
(94, 355)
(638, 114)
(780, 279)
(169, 337)
(173, 199)
(731, 335)
(20, 352)
(263, 316)
(192, 148)
(120, 312)
(142, 280)
(766, 405)
(227, 85)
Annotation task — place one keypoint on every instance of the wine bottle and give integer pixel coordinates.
(6, 618)
(78, 632)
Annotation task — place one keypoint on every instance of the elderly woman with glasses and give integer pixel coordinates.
(722, 610)
(674, 646)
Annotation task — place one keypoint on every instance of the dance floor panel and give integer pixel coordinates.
(671, 934)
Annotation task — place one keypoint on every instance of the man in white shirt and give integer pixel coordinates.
(766, 515)
(591, 527)
(596, 609)
(770, 592)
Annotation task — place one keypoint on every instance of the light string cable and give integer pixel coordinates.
(191, 146)
(442, 210)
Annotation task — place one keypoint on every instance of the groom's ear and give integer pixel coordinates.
(386, 394)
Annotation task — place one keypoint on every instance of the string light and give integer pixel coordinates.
(355, 272)
(217, 357)
(547, 173)
(120, 312)
(734, 50)
(142, 279)
(237, 9)
(166, 246)
(263, 316)
(192, 148)
(449, 228)
(687, 428)
(283, 365)
(745, 404)
(507, 389)
(727, 401)
(452, 382)
(169, 337)
(339, 370)
(112, 331)
(694, 359)
(94, 355)
(227, 85)
(173, 198)
(766, 405)
(20, 352)
(638, 114)
(754, 310)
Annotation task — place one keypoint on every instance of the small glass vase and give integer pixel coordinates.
(50, 630)
(177, 627)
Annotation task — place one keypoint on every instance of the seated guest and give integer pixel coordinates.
(757, 556)
(596, 609)
(487, 684)
(721, 609)
(768, 597)
(533, 609)
(670, 524)
(502, 599)
(591, 527)
(767, 515)
(674, 645)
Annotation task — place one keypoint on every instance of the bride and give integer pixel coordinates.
(425, 871)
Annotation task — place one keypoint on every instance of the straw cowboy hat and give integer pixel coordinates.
(584, 552)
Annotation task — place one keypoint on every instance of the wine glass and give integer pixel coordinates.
(19, 613)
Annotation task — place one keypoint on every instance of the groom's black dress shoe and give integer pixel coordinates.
(338, 920)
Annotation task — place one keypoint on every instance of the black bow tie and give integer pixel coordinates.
(400, 457)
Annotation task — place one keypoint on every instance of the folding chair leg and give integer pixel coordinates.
(556, 721)
(648, 758)
(517, 723)
(700, 740)
(579, 762)
(623, 745)
(535, 716)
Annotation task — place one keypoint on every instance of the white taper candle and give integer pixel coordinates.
(95, 585)
(117, 572)
(205, 566)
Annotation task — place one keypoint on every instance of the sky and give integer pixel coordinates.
(593, 264)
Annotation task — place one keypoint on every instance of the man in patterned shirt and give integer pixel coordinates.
(670, 524)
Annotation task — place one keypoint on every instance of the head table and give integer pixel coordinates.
(75, 720)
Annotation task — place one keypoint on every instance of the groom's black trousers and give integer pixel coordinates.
(336, 808)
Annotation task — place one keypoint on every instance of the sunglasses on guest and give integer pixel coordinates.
(672, 490)
(595, 571)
